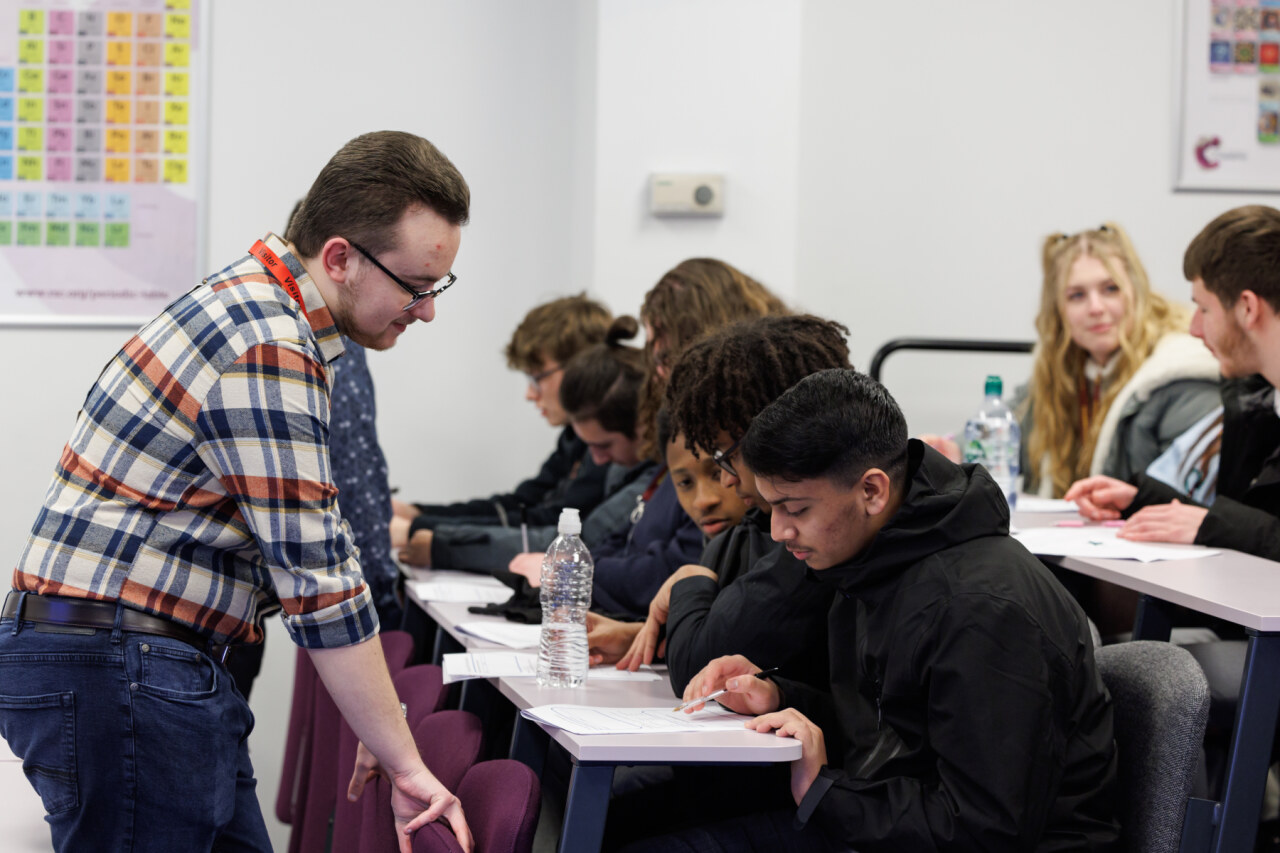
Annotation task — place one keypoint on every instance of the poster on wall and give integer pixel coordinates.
(1229, 122)
(103, 122)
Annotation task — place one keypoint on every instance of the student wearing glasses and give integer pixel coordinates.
(194, 499)
(478, 534)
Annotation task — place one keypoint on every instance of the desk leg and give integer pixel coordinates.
(1152, 621)
(586, 808)
(1250, 744)
(421, 626)
(529, 744)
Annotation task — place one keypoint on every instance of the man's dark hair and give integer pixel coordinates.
(836, 424)
(602, 383)
(1238, 251)
(364, 190)
(722, 381)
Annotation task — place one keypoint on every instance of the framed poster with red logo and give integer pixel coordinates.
(103, 146)
(1228, 132)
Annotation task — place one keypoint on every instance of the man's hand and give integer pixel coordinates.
(529, 565)
(418, 551)
(399, 531)
(400, 509)
(646, 647)
(791, 723)
(944, 445)
(747, 694)
(416, 799)
(1172, 522)
(608, 639)
(1101, 498)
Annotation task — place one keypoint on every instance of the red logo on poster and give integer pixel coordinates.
(1203, 150)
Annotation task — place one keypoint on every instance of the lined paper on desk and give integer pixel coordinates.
(587, 720)
(458, 667)
(459, 591)
(510, 634)
(1101, 543)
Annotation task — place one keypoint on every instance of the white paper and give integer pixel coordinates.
(1101, 543)
(510, 634)
(459, 591)
(1031, 503)
(488, 665)
(608, 672)
(587, 720)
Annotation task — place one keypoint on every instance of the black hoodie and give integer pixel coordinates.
(966, 711)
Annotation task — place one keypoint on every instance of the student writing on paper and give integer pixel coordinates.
(965, 710)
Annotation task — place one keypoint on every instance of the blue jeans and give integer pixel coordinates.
(133, 742)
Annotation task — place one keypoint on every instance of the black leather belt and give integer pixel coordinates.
(86, 613)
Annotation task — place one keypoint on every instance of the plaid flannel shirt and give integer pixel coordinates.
(196, 485)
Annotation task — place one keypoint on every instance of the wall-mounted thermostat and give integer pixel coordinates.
(686, 194)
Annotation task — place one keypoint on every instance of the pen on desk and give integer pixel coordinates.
(524, 529)
(762, 675)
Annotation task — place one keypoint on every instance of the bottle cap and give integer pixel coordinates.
(995, 387)
(570, 523)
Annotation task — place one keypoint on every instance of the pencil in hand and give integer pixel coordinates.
(762, 675)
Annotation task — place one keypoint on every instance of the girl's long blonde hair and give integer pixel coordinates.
(1058, 373)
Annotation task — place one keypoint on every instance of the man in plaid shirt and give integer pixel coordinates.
(194, 499)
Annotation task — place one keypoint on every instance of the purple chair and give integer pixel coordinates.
(297, 738)
(501, 799)
(450, 743)
(422, 689)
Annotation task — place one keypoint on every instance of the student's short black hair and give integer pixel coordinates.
(836, 424)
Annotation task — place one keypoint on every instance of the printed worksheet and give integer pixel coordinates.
(587, 720)
(1101, 543)
(459, 591)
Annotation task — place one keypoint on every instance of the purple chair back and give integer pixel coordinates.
(397, 648)
(421, 688)
(297, 737)
(502, 799)
(437, 838)
(313, 809)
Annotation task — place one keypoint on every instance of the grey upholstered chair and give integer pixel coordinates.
(1161, 701)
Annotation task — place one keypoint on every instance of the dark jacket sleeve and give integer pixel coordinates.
(483, 548)
(1229, 524)
(991, 687)
(662, 541)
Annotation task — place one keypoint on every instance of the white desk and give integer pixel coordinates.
(1239, 588)
(594, 757)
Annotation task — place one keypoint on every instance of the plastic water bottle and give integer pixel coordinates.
(566, 596)
(993, 439)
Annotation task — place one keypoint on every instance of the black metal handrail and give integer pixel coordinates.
(947, 344)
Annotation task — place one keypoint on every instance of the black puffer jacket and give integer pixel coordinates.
(965, 708)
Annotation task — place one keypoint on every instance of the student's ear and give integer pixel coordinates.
(336, 255)
(1251, 310)
(875, 490)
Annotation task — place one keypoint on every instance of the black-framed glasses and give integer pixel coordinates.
(418, 295)
(535, 379)
(723, 457)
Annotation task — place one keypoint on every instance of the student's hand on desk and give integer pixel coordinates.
(1173, 522)
(791, 723)
(400, 509)
(747, 694)
(1101, 498)
(944, 445)
(418, 551)
(646, 645)
(608, 639)
(417, 798)
(399, 528)
(529, 565)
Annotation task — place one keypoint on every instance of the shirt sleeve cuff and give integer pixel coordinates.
(818, 790)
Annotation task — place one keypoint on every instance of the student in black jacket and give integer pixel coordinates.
(965, 710)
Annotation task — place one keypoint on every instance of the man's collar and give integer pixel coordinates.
(317, 312)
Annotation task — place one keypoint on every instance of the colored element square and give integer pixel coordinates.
(117, 235)
(57, 234)
(6, 78)
(31, 22)
(31, 109)
(88, 206)
(117, 141)
(177, 4)
(175, 171)
(150, 25)
(6, 109)
(117, 170)
(28, 233)
(147, 142)
(119, 112)
(89, 139)
(147, 112)
(59, 169)
(57, 205)
(61, 109)
(6, 167)
(31, 80)
(62, 23)
(177, 26)
(89, 81)
(177, 54)
(89, 24)
(146, 171)
(88, 234)
(148, 83)
(6, 137)
(6, 233)
(31, 51)
(120, 24)
(6, 203)
(89, 53)
(88, 169)
(31, 139)
(60, 137)
(1269, 56)
(116, 206)
(30, 204)
(119, 53)
(89, 111)
(61, 81)
(30, 168)
(175, 142)
(62, 52)
(150, 54)
(119, 82)
(175, 112)
(177, 83)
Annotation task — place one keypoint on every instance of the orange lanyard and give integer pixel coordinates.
(277, 270)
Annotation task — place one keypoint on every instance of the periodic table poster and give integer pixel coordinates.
(103, 120)
(1229, 126)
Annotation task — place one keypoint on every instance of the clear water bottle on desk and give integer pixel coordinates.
(993, 439)
(566, 596)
